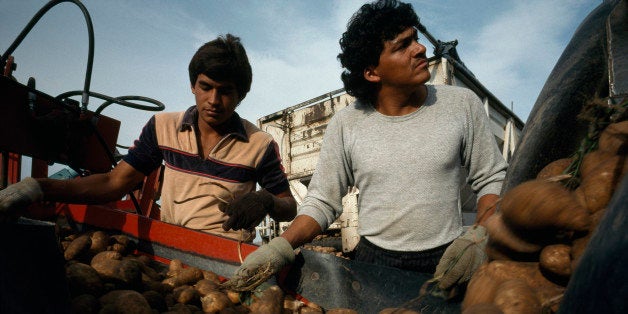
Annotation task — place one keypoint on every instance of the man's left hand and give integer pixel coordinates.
(261, 264)
(462, 258)
(248, 210)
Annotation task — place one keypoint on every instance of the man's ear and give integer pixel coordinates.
(370, 74)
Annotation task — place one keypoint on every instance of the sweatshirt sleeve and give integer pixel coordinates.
(331, 179)
(481, 156)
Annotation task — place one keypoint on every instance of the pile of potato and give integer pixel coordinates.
(104, 276)
(542, 229)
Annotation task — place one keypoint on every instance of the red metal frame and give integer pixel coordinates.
(148, 229)
(11, 169)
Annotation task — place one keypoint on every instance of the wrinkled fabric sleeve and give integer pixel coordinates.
(481, 156)
(332, 176)
(145, 154)
(271, 175)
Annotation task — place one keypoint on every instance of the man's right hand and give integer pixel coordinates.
(15, 197)
(260, 265)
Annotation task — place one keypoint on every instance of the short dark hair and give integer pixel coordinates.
(223, 59)
(363, 42)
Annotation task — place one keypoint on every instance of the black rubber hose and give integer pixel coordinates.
(90, 32)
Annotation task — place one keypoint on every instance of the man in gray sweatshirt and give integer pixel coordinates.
(404, 145)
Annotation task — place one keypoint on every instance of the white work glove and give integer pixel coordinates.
(16, 197)
(462, 258)
(260, 265)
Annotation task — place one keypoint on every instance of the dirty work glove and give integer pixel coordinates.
(462, 258)
(248, 210)
(15, 197)
(260, 265)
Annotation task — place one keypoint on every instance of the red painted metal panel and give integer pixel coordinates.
(10, 168)
(52, 130)
(169, 235)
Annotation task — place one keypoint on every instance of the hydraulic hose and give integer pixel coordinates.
(90, 32)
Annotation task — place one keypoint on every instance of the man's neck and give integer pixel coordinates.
(394, 102)
(213, 130)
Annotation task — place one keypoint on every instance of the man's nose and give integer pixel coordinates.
(213, 97)
(418, 49)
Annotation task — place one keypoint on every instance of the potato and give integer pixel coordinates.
(106, 255)
(540, 204)
(158, 286)
(215, 301)
(180, 308)
(125, 301)
(185, 276)
(204, 286)
(593, 159)
(556, 259)
(599, 182)
(271, 302)
(395, 311)
(174, 267)
(234, 296)
(483, 308)
(106, 264)
(100, 242)
(342, 310)
(122, 244)
(186, 294)
(121, 239)
(156, 300)
(290, 304)
(85, 304)
(83, 279)
(306, 309)
(614, 138)
(554, 168)
(123, 272)
(210, 275)
(529, 272)
(151, 273)
(481, 288)
(78, 248)
(502, 235)
(516, 297)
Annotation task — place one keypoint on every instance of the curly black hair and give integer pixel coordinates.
(223, 59)
(363, 42)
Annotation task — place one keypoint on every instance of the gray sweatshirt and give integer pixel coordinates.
(407, 168)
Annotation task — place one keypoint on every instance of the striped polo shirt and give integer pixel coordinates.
(193, 185)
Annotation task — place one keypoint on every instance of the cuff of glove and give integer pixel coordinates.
(477, 234)
(284, 248)
(32, 189)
